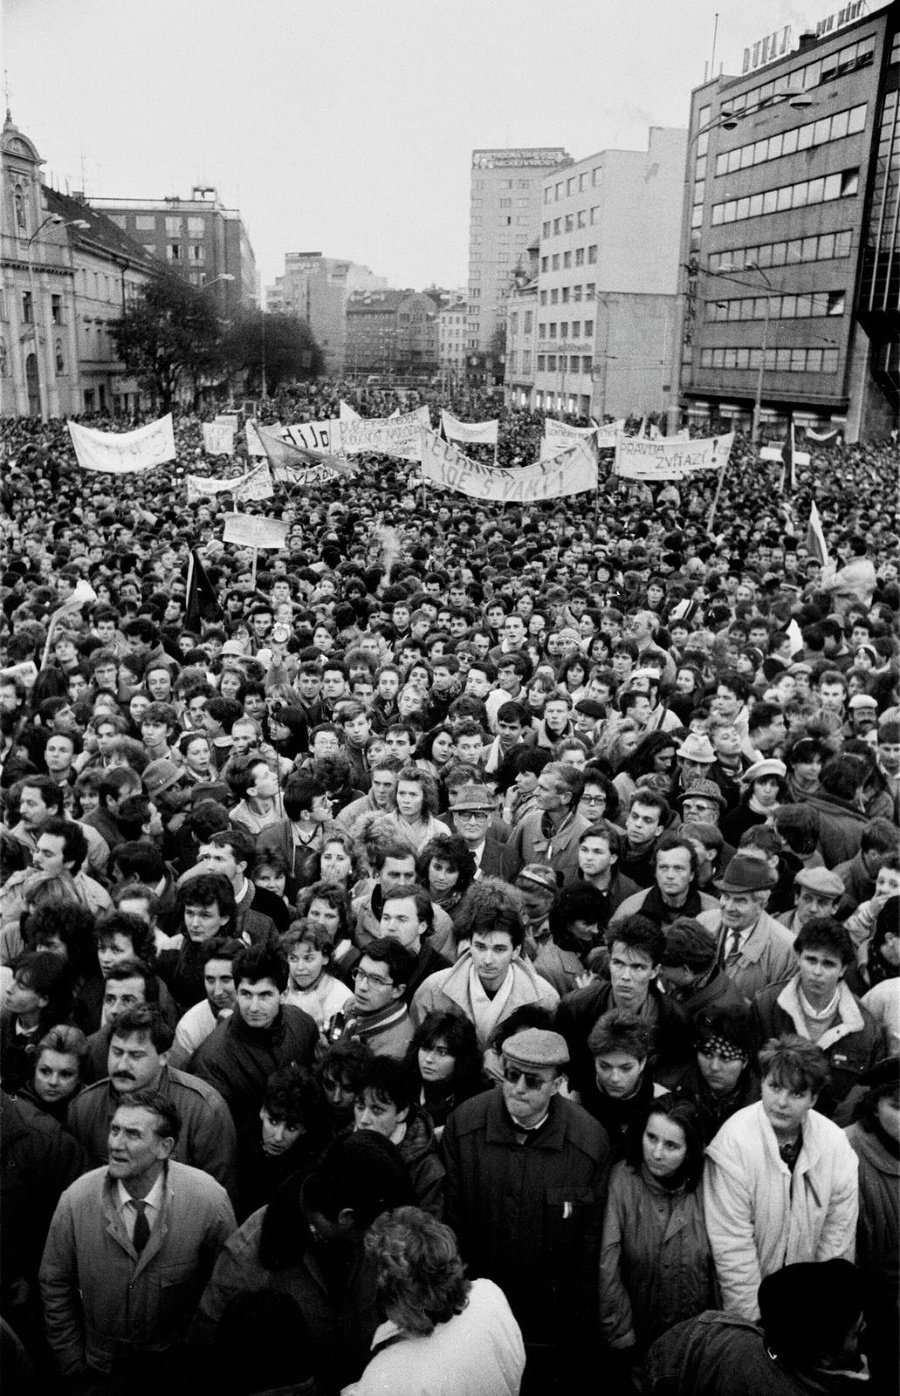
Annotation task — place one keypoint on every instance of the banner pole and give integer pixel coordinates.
(714, 505)
(255, 559)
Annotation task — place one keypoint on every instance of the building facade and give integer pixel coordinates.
(38, 341)
(316, 289)
(198, 238)
(791, 237)
(452, 332)
(392, 333)
(504, 211)
(607, 283)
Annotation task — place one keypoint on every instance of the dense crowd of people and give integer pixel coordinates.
(457, 952)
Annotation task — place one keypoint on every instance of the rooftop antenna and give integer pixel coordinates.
(712, 61)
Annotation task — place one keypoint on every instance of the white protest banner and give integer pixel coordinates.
(347, 413)
(315, 436)
(256, 484)
(388, 436)
(125, 452)
(202, 486)
(218, 439)
(644, 458)
(568, 472)
(254, 445)
(608, 435)
(254, 531)
(227, 419)
(481, 433)
(300, 465)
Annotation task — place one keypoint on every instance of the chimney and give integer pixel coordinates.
(807, 40)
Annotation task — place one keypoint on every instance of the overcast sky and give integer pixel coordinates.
(346, 126)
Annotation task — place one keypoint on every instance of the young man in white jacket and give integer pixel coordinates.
(781, 1180)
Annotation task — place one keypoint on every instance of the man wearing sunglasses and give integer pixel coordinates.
(526, 1178)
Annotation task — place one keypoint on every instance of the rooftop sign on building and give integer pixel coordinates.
(499, 159)
(767, 49)
(845, 15)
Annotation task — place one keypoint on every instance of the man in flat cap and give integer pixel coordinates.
(526, 1177)
(818, 891)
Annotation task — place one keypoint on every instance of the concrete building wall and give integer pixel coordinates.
(504, 209)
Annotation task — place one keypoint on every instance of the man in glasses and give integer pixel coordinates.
(378, 1016)
(526, 1176)
(472, 811)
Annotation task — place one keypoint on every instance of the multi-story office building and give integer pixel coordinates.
(392, 333)
(452, 331)
(504, 210)
(608, 280)
(791, 236)
(316, 289)
(198, 238)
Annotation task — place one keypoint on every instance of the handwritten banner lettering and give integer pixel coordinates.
(569, 472)
(218, 438)
(388, 436)
(639, 458)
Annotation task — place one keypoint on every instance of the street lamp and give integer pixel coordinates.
(57, 220)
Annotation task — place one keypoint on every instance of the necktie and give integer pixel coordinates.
(732, 946)
(141, 1234)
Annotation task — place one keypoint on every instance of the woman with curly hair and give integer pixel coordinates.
(339, 858)
(571, 676)
(434, 750)
(417, 804)
(446, 869)
(443, 1332)
(653, 755)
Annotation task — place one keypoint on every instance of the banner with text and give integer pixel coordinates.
(218, 438)
(640, 458)
(388, 436)
(125, 452)
(608, 435)
(254, 531)
(315, 436)
(255, 484)
(569, 472)
(479, 433)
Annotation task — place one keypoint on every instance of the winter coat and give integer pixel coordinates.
(479, 1350)
(207, 1139)
(766, 956)
(853, 1044)
(649, 905)
(656, 1267)
(581, 1009)
(761, 1217)
(418, 1150)
(841, 827)
(529, 844)
(38, 1161)
(878, 1246)
(449, 989)
(339, 1325)
(528, 1215)
(102, 1301)
(714, 1110)
(238, 1060)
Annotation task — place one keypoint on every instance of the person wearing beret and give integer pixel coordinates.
(526, 1178)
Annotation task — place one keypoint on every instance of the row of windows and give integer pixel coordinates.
(565, 188)
(814, 133)
(528, 325)
(811, 307)
(777, 360)
(801, 79)
(821, 248)
(563, 294)
(549, 331)
(563, 261)
(789, 196)
(504, 184)
(146, 223)
(572, 221)
(195, 253)
(571, 363)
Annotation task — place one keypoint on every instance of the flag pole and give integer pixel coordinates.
(715, 503)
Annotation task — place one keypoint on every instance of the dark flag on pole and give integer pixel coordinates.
(202, 602)
(788, 475)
